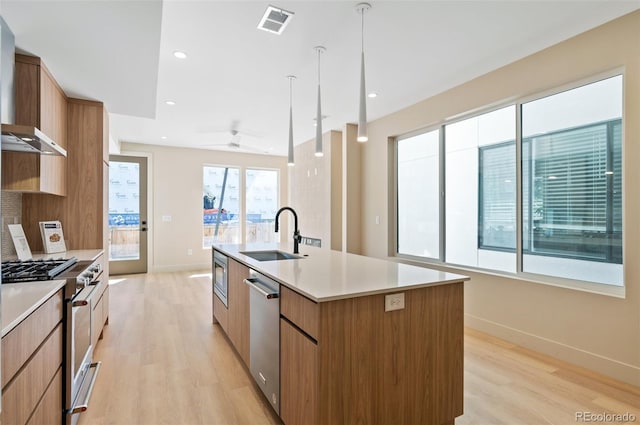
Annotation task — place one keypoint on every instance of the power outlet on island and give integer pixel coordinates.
(394, 302)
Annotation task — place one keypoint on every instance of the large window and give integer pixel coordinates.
(572, 182)
(570, 145)
(220, 205)
(480, 191)
(225, 218)
(418, 195)
(261, 194)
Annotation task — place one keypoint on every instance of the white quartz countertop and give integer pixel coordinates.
(19, 300)
(325, 275)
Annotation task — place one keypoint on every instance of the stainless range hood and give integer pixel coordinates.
(23, 138)
(18, 138)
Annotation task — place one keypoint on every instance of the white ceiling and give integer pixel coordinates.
(120, 52)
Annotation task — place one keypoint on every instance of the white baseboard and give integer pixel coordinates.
(181, 268)
(604, 365)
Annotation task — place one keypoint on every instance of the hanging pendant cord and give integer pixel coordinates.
(362, 29)
(318, 66)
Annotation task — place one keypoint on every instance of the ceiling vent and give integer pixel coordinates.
(275, 19)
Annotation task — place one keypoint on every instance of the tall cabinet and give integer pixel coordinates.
(83, 212)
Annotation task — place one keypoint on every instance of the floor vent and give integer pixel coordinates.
(275, 19)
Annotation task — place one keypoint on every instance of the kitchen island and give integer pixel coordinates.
(362, 340)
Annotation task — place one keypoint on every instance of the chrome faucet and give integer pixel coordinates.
(296, 233)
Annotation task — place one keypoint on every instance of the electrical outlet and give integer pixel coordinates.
(189, 251)
(394, 302)
(166, 218)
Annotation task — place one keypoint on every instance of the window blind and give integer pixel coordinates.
(573, 204)
(497, 185)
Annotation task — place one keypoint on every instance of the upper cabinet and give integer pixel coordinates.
(41, 103)
(83, 212)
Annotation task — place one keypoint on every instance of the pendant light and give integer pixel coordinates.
(290, 161)
(361, 8)
(320, 50)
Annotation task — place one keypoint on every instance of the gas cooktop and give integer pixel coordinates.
(32, 270)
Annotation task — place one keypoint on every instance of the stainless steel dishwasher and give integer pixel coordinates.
(264, 354)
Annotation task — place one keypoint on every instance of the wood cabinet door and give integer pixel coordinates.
(53, 109)
(48, 411)
(238, 300)
(40, 103)
(298, 377)
(220, 313)
(96, 320)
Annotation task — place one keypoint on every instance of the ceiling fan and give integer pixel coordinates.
(234, 143)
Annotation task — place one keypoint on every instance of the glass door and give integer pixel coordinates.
(127, 214)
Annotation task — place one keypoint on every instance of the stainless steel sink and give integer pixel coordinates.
(270, 255)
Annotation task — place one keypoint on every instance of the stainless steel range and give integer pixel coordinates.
(81, 278)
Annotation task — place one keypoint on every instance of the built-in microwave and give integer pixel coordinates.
(220, 276)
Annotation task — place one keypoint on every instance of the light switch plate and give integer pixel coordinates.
(394, 302)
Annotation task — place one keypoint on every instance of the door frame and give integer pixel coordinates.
(142, 264)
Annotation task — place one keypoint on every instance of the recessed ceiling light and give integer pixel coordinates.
(372, 95)
(179, 54)
(163, 137)
(170, 102)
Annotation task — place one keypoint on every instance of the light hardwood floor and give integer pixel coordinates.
(163, 362)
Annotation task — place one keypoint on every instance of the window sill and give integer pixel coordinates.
(590, 287)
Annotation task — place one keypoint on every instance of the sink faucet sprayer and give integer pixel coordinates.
(296, 233)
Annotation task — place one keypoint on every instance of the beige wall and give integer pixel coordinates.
(175, 189)
(352, 190)
(596, 331)
(315, 187)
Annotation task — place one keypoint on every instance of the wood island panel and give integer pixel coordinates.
(401, 367)
(300, 310)
(220, 313)
(238, 300)
(299, 376)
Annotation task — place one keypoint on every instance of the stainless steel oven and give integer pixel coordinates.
(81, 279)
(80, 371)
(220, 276)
